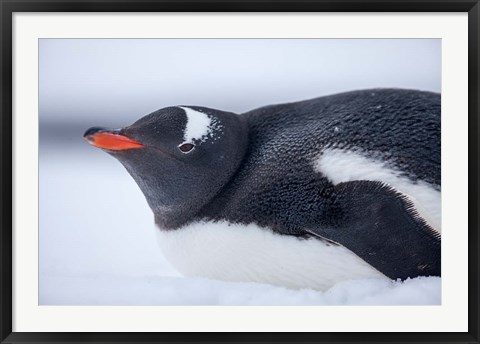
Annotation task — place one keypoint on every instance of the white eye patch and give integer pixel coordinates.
(199, 125)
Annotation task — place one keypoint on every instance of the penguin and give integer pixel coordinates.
(301, 195)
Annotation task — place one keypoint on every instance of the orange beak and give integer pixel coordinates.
(111, 140)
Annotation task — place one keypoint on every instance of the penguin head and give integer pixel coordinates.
(180, 157)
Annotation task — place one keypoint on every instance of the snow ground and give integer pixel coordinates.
(97, 247)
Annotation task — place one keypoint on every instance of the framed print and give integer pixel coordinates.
(281, 171)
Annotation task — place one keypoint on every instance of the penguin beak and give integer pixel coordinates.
(110, 139)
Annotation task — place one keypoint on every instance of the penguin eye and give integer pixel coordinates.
(186, 147)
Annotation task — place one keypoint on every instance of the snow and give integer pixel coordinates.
(198, 125)
(98, 247)
(158, 290)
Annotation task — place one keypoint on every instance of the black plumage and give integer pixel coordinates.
(261, 170)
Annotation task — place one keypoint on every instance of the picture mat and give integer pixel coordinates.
(450, 316)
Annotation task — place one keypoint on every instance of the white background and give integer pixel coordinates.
(105, 92)
(117, 81)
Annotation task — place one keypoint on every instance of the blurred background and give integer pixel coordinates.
(97, 243)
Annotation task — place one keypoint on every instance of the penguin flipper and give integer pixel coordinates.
(381, 226)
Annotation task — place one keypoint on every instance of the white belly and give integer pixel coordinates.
(233, 252)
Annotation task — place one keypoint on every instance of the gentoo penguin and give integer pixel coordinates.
(301, 195)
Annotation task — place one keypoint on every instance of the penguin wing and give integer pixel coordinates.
(382, 227)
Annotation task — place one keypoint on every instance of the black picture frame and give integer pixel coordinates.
(8, 7)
